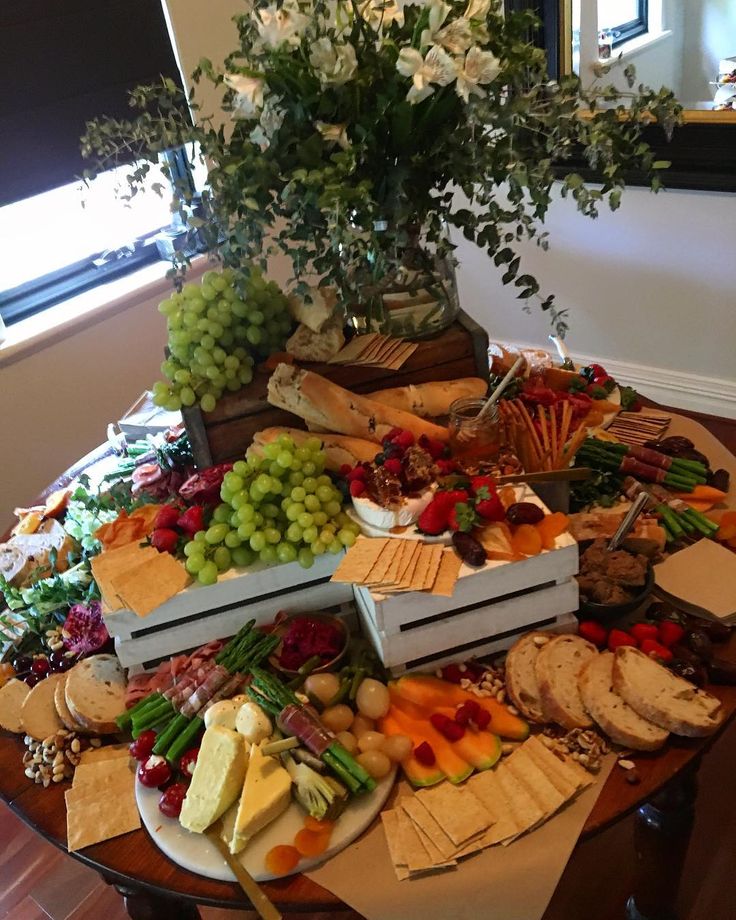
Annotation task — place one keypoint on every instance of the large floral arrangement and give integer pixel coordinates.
(357, 122)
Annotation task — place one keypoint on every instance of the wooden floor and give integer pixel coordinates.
(38, 882)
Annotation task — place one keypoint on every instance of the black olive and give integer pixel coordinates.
(720, 479)
(468, 548)
(698, 641)
(722, 671)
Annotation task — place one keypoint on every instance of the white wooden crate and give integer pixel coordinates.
(482, 626)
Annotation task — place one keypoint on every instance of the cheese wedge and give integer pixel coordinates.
(266, 794)
(217, 779)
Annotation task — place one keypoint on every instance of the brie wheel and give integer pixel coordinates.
(385, 518)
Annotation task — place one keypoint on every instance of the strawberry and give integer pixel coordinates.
(654, 650)
(165, 540)
(483, 482)
(424, 754)
(446, 466)
(489, 505)
(642, 631)
(433, 520)
(357, 487)
(167, 516)
(593, 632)
(462, 517)
(617, 637)
(669, 633)
(434, 448)
(393, 465)
(192, 520)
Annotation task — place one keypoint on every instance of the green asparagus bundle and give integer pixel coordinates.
(643, 463)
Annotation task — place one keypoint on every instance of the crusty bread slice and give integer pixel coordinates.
(618, 720)
(12, 696)
(665, 699)
(62, 709)
(558, 666)
(430, 400)
(38, 712)
(521, 676)
(95, 693)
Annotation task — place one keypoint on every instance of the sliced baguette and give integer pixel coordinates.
(38, 712)
(12, 696)
(95, 693)
(618, 720)
(62, 709)
(430, 400)
(558, 666)
(521, 676)
(665, 699)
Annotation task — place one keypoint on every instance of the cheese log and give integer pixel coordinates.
(430, 400)
(339, 449)
(323, 403)
(217, 779)
(266, 794)
(12, 696)
(38, 712)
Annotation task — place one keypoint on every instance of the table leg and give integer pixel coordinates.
(661, 838)
(145, 905)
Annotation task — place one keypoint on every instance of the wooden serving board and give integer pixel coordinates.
(226, 432)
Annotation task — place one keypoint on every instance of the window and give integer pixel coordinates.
(623, 19)
(66, 63)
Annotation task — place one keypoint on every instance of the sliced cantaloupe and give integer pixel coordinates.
(417, 773)
(455, 768)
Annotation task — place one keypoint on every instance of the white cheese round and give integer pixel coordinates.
(224, 712)
(404, 515)
(253, 723)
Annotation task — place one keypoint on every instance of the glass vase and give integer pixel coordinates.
(415, 294)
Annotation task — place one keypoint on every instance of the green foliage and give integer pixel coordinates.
(335, 157)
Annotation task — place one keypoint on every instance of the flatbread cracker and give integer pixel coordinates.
(401, 553)
(107, 752)
(151, 583)
(529, 774)
(486, 789)
(527, 813)
(353, 349)
(359, 560)
(106, 565)
(414, 852)
(460, 819)
(444, 583)
(428, 826)
(390, 822)
(97, 817)
(564, 774)
(435, 555)
(104, 773)
(408, 577)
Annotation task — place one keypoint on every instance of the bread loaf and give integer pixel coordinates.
(430, 400)
(558, 666)
(618, 720)
(339, 449)
(665, 699)
(320, 402)
(95, 693)
(307, 345)
(521, 676)
(38, 712)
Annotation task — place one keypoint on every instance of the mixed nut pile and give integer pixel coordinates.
(55, 758)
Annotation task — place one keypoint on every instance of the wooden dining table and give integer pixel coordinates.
(661, 792)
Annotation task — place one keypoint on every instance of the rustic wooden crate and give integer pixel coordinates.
(226, 433)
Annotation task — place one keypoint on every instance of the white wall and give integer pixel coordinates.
(710, 34)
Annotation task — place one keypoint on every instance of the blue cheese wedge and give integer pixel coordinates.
(217, 779)
(266, 794)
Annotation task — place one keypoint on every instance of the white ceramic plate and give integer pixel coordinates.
(195, 853)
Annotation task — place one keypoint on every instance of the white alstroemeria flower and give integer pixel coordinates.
(335, 64)
(437, 67)
(456, 37)
(438, 13)
(477, 9)
(334, 134)
(381, 13)
(479, 67)
(279, 26)
(248, 94)
(272, 117)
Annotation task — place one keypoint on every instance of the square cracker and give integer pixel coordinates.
(486, 789)
(103, 774)
(460, 816)
(444, 583)
(112, 562)
(107, 752)
(539, 786)
(97, 817)
(359, 560)
(390, 821)
(151, 583)
(428, 826)
(414, 852)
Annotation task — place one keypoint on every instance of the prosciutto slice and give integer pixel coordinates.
(306, 726)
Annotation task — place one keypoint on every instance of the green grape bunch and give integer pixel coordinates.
(277, 507)
(217, 330)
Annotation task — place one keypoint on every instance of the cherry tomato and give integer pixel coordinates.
(142, 747)
(154, 771)
(171, 800)
(187, 761)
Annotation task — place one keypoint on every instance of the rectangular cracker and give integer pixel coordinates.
(410, 843)
(486, 789)
(103, 774)
(390, 822)
(353, 349)
(408, 577)
(564, 774)
(539, 786)
(461, 817)
(151, 583)
(444, 583)
(435, 556)
(359, 560)
(381, 565)
(527, 813)
(400, 553)
(428, 826)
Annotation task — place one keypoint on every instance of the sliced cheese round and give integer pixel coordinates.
(404, 515)
(12, 696)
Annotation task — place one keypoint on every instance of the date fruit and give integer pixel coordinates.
(697, 641)
(721, 671)
(468, 548)
(524, 513)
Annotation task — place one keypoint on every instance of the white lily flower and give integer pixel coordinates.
(477, 9)
(479, 67)
(456, 37)
(272, 117)
(335, 64)
(334, 134)
(249, 94)
(279, 26)
(438, 13)
(437, 67)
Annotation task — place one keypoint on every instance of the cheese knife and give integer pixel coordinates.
(256, 895)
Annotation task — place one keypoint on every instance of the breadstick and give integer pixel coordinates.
(543, 425)
(566, 418)
(553, 438)
(574, 445)
(535, 443)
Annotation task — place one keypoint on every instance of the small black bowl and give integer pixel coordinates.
(605, 613)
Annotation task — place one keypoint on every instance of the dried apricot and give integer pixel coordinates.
(282, 859)
(526, 539)
(727, 530)
(551, 527)
(317, 825)
(309, 843)
(507, 496)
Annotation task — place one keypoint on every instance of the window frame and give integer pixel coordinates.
(634, 28)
